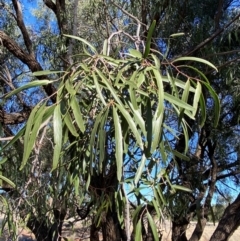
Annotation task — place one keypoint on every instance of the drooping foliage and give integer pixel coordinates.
(121, 109)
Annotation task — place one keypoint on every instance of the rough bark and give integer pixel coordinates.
(45, 231)
(94, 232)
(228, 223)
(179, 228)
(110, 228)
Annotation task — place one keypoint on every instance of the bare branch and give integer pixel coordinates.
(22, 27)
(214, 35)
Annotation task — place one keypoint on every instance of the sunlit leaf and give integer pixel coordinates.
(119, 144)
(153, 226)
(195, 59)
(57, 134)
(32, 84)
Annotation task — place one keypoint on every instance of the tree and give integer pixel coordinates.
(95, 114)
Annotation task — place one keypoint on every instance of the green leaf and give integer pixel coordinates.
(77, 114)
(160, 193)
(138, 119)
(98, 89)
(182, 188)
(149, 38)
(180, 155)
(140, 169)
(83, 41)
(32, 128)
(195, 59)
(153, 226)
(157, 134)
(7, 181)
(203, 110)
(138, 232)
(158, 77)
(176, 35)
(149, 127)
(46, 72)
(156, 205)
(135, 53)
(105, 47)
(101, 140)
(68, 121)
(109, 86)
(131, 124)
(57, 135)
(176, 101)
(28, 86)
(119, 144)
(197, 97)
(216, 103)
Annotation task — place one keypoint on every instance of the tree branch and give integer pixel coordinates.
(228, 223)
(27, 59)
(13, 118)
(22, 27)
(214, 35)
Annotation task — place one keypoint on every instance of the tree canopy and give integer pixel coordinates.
(123, 112)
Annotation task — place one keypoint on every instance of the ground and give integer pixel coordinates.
(80, 232)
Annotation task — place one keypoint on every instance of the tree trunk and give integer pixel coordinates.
(179, 228)
(94, 232)
(110, 228)
(198, 231)
(46, 232)
(228, 223)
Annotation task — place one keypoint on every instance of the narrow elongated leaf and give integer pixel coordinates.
(160, 91)
(138, 118)
(182, 188)
(157, 133)
(7, 181)
(149, 127)
(105, 47)
(92, 147)
(32, 129)
(149, 38)
(109, 86)
(57, 135)
(77, 114)
(70, 88)
(176, 101)
(156, 205)
(46, 72)
(138, 231)
(176, 35)
(98, 89)
(131, 124)
(102, 139)
(216, 103)
(203, 110)
(153, 226)
(140, 169)
(68, 121)
(195, 59)
(83, 41)
(119, 144)
(28, 86)
(197, 97)
(160, 193)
